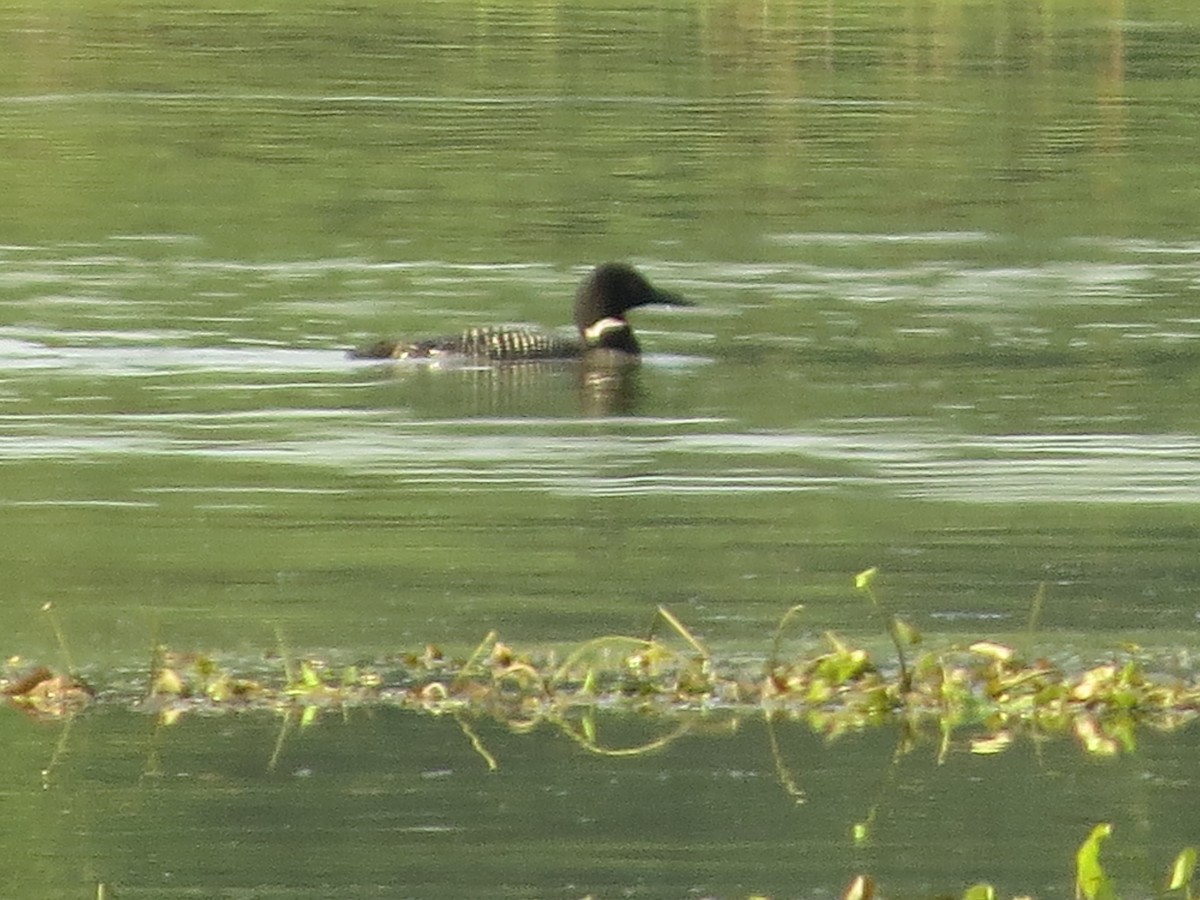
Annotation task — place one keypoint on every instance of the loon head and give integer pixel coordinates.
(603, 299)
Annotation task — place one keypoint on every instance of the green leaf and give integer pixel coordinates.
(309, 676)
(589, 727)
(862, 581)
(905, 633)
(1091, 882)
(860, 833)
(861, 888)
(1183, 870)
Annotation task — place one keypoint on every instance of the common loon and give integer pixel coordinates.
(600, 306)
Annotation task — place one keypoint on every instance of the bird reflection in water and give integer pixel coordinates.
(609, 385)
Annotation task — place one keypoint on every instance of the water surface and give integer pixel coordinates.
(946, 272)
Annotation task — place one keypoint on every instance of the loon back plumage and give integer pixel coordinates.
(601, 302)
(498, 343)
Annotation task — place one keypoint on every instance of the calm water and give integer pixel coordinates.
(395, 805)
(947, 270)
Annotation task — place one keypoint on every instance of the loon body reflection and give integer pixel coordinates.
(601, 302)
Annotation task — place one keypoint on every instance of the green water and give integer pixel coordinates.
(395, 805)
(944, 257)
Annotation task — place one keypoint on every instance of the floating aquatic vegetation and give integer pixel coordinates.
(669, 672)
(43, 694)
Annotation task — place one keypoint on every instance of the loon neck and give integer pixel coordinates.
(610, 333)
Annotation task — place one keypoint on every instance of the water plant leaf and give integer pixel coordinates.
(670, 618)
(45, 695)
(981, 891)
(432, 657)
(27, 682)
(1091, 881)
(1183, 870)
(488, 640)
(993, 650)
(906, 633)
(477, 744)
(309, 677)
(696, 678)
(841, 666)
(861, 888)
(863, 580)
(588, 726)
(783, 620)
(996, 743)
(1095, 740)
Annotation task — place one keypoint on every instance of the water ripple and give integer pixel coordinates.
(652, 457)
